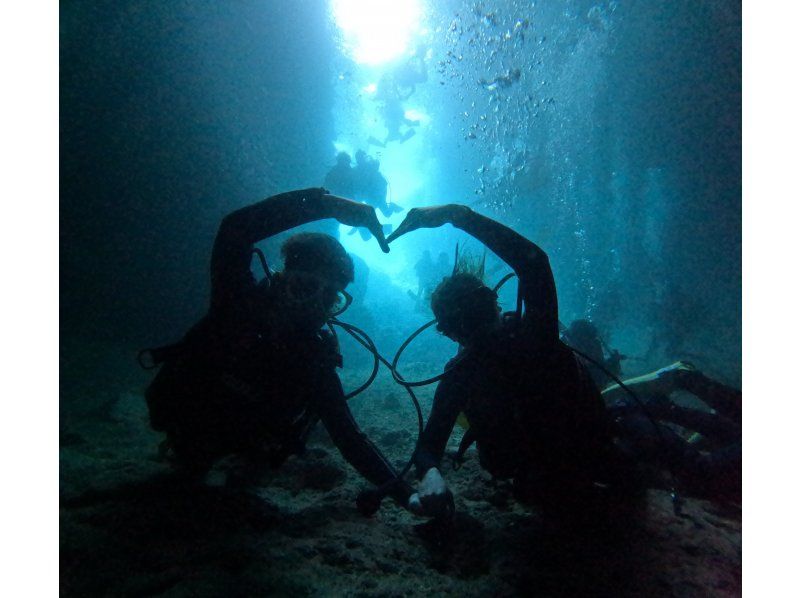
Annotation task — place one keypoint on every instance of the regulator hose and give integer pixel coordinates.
(369, 501)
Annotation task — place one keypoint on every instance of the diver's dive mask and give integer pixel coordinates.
(343, 301)
(305, 288)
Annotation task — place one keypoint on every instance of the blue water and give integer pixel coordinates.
(609, 133)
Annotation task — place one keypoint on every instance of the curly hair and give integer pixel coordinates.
(462, 304)
(319, 253)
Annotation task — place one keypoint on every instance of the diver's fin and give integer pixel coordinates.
(408, 135)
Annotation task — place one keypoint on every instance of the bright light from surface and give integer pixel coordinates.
(376, 31)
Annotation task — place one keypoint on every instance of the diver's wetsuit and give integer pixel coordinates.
(534, 411)
(536, 416)
(240, 387)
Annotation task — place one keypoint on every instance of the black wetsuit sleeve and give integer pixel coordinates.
(447, 404)
(529, 262)
(231, 256)
(354, 445)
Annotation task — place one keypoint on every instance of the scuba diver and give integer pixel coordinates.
(393, 89)
(370, 187)
(254, 375)
(429, 274)
(504, 80)
(391, 98)
(713, 435)
(532, 407)
(653, 388)
(425, 270)
(340, 180)
(583, 335)
(536, 415)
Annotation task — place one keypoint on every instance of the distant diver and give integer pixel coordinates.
(255, 374)
(391, 93)
(340, 179)
(363, 183)
(583, 335)
(504, 80)
(429, 274)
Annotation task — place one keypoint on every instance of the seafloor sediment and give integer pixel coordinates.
(127, 529)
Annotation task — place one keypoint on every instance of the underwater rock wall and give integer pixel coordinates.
(173, 114)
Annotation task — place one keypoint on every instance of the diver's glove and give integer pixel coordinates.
(433, 498)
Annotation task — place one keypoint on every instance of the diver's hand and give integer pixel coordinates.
(432, 498)
(429, 217)
(355, 213)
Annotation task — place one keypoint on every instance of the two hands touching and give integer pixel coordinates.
(357, 214)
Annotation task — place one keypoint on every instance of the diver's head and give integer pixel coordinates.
(582, 330)
(343, 159)
(583, 335)
(310, 289)
(464, 307)
(361, 157)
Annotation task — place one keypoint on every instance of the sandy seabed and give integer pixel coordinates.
(128, 529)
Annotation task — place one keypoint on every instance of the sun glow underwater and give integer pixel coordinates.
(376, 31)
(375, 34)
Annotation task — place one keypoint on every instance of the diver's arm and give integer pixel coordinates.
(528, 260)
(230, 258)
(354, 445)
(432, 497)
(445, 410)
